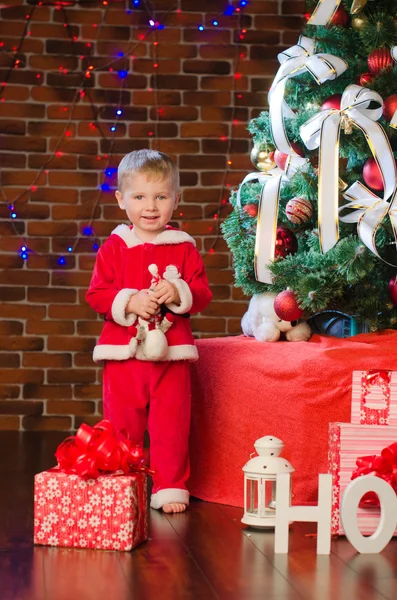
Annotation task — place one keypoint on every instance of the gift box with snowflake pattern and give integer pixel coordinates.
(108, 513)
(347, 442)
(374, 397)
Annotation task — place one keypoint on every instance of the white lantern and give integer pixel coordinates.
(260, 475)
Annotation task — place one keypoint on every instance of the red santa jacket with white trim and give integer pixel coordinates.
(121, 270)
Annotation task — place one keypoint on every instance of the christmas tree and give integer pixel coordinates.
(319, 216)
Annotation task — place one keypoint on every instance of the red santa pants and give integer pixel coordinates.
(156, 395)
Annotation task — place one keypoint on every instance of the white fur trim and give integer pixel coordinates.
(124, 352)
(120, 304)
(184, 294)
(168, 236)
(169, 495)
(182, 352)
(112, 352)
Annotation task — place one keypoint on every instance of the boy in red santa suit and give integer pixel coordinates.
(148, 278)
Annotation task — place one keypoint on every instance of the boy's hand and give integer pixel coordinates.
(143, 304)
(165, 292)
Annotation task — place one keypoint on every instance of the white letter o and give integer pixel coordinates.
(388, 513)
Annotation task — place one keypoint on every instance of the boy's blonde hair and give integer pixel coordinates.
(150, 162)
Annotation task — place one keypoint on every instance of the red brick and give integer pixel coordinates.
(50, 327)
(163, 130)
(58, 343)
(161, 98)
(86, 419)
(21, 376)
(52, 229)
(44, 423)
(40, 161)
(83, 359)
(11, 343)
(67, 196)
(204, 98)
(67, 311)
(10, 391)
(18, 311)
(16, 92)
(112, 80)
(24, 278)
(213, 113)
(20, 407)
(71, 376)
(11, 327)
(43, 392)
(204, 129)
(15, 161)
(8, 360)
(73, 407)
(51, 295)
(92, 392)
(12, 127)
(9, 422)
(70, 279)
(36, 359)
(70, 213)
(171, 113)
(28, 144)
(213, 325)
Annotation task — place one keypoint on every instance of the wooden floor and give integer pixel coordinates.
(203, 554)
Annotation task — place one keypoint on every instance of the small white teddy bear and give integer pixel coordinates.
(260, 321)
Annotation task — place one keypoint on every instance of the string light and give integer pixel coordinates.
(84, 92)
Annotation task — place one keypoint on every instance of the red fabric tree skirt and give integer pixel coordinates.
(244, 389)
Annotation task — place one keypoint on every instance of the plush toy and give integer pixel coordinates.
(151, 332)
(260, 321)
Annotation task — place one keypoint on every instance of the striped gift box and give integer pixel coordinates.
(374, 397)
(348, 441)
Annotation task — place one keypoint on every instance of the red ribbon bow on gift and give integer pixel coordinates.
(96, 450)
(383, 466)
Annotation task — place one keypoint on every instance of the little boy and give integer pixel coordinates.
(146, 343)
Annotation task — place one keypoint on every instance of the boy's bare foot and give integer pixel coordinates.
(174, 507)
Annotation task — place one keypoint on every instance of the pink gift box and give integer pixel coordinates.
(108, 513)
(348, 441)
(374, 397)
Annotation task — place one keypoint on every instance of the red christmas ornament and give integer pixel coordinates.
(366, 79)
(340, 18)
(251, 209)
(332, 102)
(280, 158)
(372, 175)
(380, 59)
(392, 289)
(286, 242)
(390, 107)
(286, 306)
(299, 210)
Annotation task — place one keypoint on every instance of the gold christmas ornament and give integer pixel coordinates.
(359, 22)
(357, 6)
(262, 159)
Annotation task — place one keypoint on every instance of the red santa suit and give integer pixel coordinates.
(137, 391)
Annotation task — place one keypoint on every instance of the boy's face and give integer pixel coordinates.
(149, 203)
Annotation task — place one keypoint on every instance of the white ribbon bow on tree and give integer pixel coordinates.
(294, 61)
(323, 131)
(265, 240)
(324, 11)
(370, 210)
(393, 122)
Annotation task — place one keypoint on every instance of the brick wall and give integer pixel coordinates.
(56, 142)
